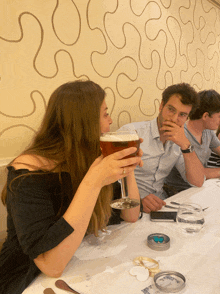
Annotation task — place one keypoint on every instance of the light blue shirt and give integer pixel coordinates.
(158, 159)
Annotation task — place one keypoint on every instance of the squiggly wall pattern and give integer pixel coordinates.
(132, 48)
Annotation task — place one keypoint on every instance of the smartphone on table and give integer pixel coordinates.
(159, 216)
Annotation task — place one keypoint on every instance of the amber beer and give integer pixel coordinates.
(111, 143)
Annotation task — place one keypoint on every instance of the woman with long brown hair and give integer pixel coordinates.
(60, 187)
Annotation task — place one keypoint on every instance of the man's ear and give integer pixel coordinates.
(205, 115)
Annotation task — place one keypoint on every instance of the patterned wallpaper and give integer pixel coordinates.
(132, 48)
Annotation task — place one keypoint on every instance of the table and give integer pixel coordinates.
(101, 265)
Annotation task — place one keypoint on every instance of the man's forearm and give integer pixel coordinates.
(211, 173)
(195, 172)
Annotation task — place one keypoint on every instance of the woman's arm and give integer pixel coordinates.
(78, 215)
(101, 173)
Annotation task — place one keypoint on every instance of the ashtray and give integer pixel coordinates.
(158, 241)
(169, 281)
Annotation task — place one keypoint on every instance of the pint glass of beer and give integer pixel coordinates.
(112, 142)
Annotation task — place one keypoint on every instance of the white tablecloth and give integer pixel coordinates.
(101, 265)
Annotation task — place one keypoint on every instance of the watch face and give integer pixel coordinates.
(191, 148)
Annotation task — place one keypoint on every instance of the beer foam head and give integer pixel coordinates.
(119, 137)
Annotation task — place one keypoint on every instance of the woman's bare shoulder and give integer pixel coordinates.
(32, 162)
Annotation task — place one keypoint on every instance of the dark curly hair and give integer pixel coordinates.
(209, 102)
(187, 93)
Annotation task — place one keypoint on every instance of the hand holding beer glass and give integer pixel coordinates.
(112, 142)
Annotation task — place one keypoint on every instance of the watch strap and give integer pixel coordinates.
(190, 149)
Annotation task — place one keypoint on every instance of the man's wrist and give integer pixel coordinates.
(190, 149)
(185, 145)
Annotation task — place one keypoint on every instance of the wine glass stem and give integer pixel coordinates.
(124, 188)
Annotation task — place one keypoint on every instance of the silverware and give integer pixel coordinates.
(168, 206)
(176, 203)
(64, 286)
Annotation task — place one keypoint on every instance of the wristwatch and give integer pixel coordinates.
(189, 149)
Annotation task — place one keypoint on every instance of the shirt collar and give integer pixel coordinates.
(154, 128)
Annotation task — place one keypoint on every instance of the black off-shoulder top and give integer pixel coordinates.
(33, 228)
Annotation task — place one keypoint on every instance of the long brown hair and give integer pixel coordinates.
(69, 135)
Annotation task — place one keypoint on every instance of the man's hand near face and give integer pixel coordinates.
(152, 203)
(172, 132)
(194, 169)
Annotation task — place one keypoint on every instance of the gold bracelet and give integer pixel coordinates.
(152, 270)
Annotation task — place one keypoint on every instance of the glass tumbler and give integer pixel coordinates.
(190, 218)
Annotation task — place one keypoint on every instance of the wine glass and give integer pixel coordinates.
(190, 217)
(112, 142)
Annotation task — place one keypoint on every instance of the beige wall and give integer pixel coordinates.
(132, 48)
(3, 176)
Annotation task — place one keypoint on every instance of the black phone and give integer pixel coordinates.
(159, 216)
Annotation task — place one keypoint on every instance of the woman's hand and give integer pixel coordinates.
(111, 168)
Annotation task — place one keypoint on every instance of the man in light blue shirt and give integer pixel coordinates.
(200, 132)
(164, 142)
